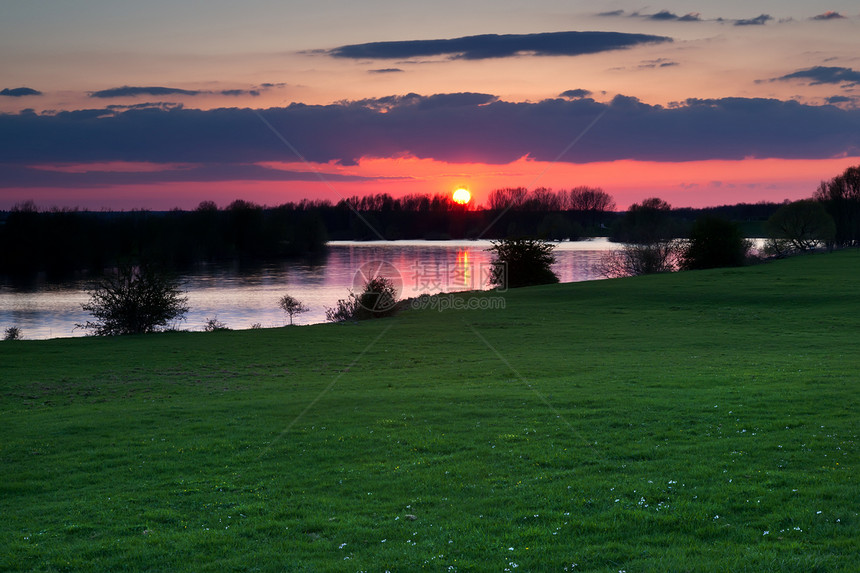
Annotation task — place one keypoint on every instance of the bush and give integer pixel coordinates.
(522, 262)
(634, 259)
(714, 243)
(378, 299)
(134, 300)
(13, 333)
(213, 324)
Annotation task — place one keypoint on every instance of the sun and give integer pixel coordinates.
(462, 196)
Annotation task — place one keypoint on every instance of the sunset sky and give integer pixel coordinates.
(162, 104)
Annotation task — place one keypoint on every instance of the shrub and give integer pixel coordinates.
(134, 300)
(522, 262)
(713, 243)
(13, 333)
(378, 299)
(635, 259)
(213, 324)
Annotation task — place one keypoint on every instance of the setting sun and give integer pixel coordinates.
(462, 196)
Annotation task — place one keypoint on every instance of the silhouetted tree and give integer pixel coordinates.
(507, 198)
(522, 262)
(646, 222)
(799, 226)
(292, 306)
(714, 242)
(592, 203)
(134, 300)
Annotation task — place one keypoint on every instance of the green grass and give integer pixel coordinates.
(699, 421)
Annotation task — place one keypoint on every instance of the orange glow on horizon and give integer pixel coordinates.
(682, 184)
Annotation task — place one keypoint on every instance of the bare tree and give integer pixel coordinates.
(799, 226)
(591, 202)
(507, 198)
(292, 306)
(841, 197)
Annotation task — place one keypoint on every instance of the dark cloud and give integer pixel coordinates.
(575, 94)
(662, 15)
(145, 105)
(829, 16)
(19, 92)
(824, 75)
(129, 91)
(757, 21)
(839, 99)
(385, 71)
(465, 127)
(253, 93)
(24, 176)
(658, 63)
(499, 46)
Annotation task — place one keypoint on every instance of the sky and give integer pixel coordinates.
(108, 104)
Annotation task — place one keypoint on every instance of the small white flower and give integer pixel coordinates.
(766, 532)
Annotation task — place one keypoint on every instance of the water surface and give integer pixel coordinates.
(242, 296)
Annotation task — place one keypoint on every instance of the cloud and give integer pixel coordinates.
(757, 21)
(824, 75)
(81, 177)
(840, 99)
(253, 93)
(829, 16)
(131, 91)
(662, 15)
(665, 15)
(384, 71)
(658, 63)
(457, 128)
(575, 94)
(499, 46)
(19, 92)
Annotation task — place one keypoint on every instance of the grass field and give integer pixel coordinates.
(699, 421)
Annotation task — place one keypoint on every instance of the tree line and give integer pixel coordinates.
(61, 241)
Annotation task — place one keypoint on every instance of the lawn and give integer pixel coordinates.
(698, 421)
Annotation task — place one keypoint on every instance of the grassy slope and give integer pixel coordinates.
(696, 421)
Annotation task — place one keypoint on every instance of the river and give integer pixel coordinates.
(243, 296)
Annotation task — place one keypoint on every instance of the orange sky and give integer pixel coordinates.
(265, 54)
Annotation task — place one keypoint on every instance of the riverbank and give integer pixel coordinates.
(698, 420)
